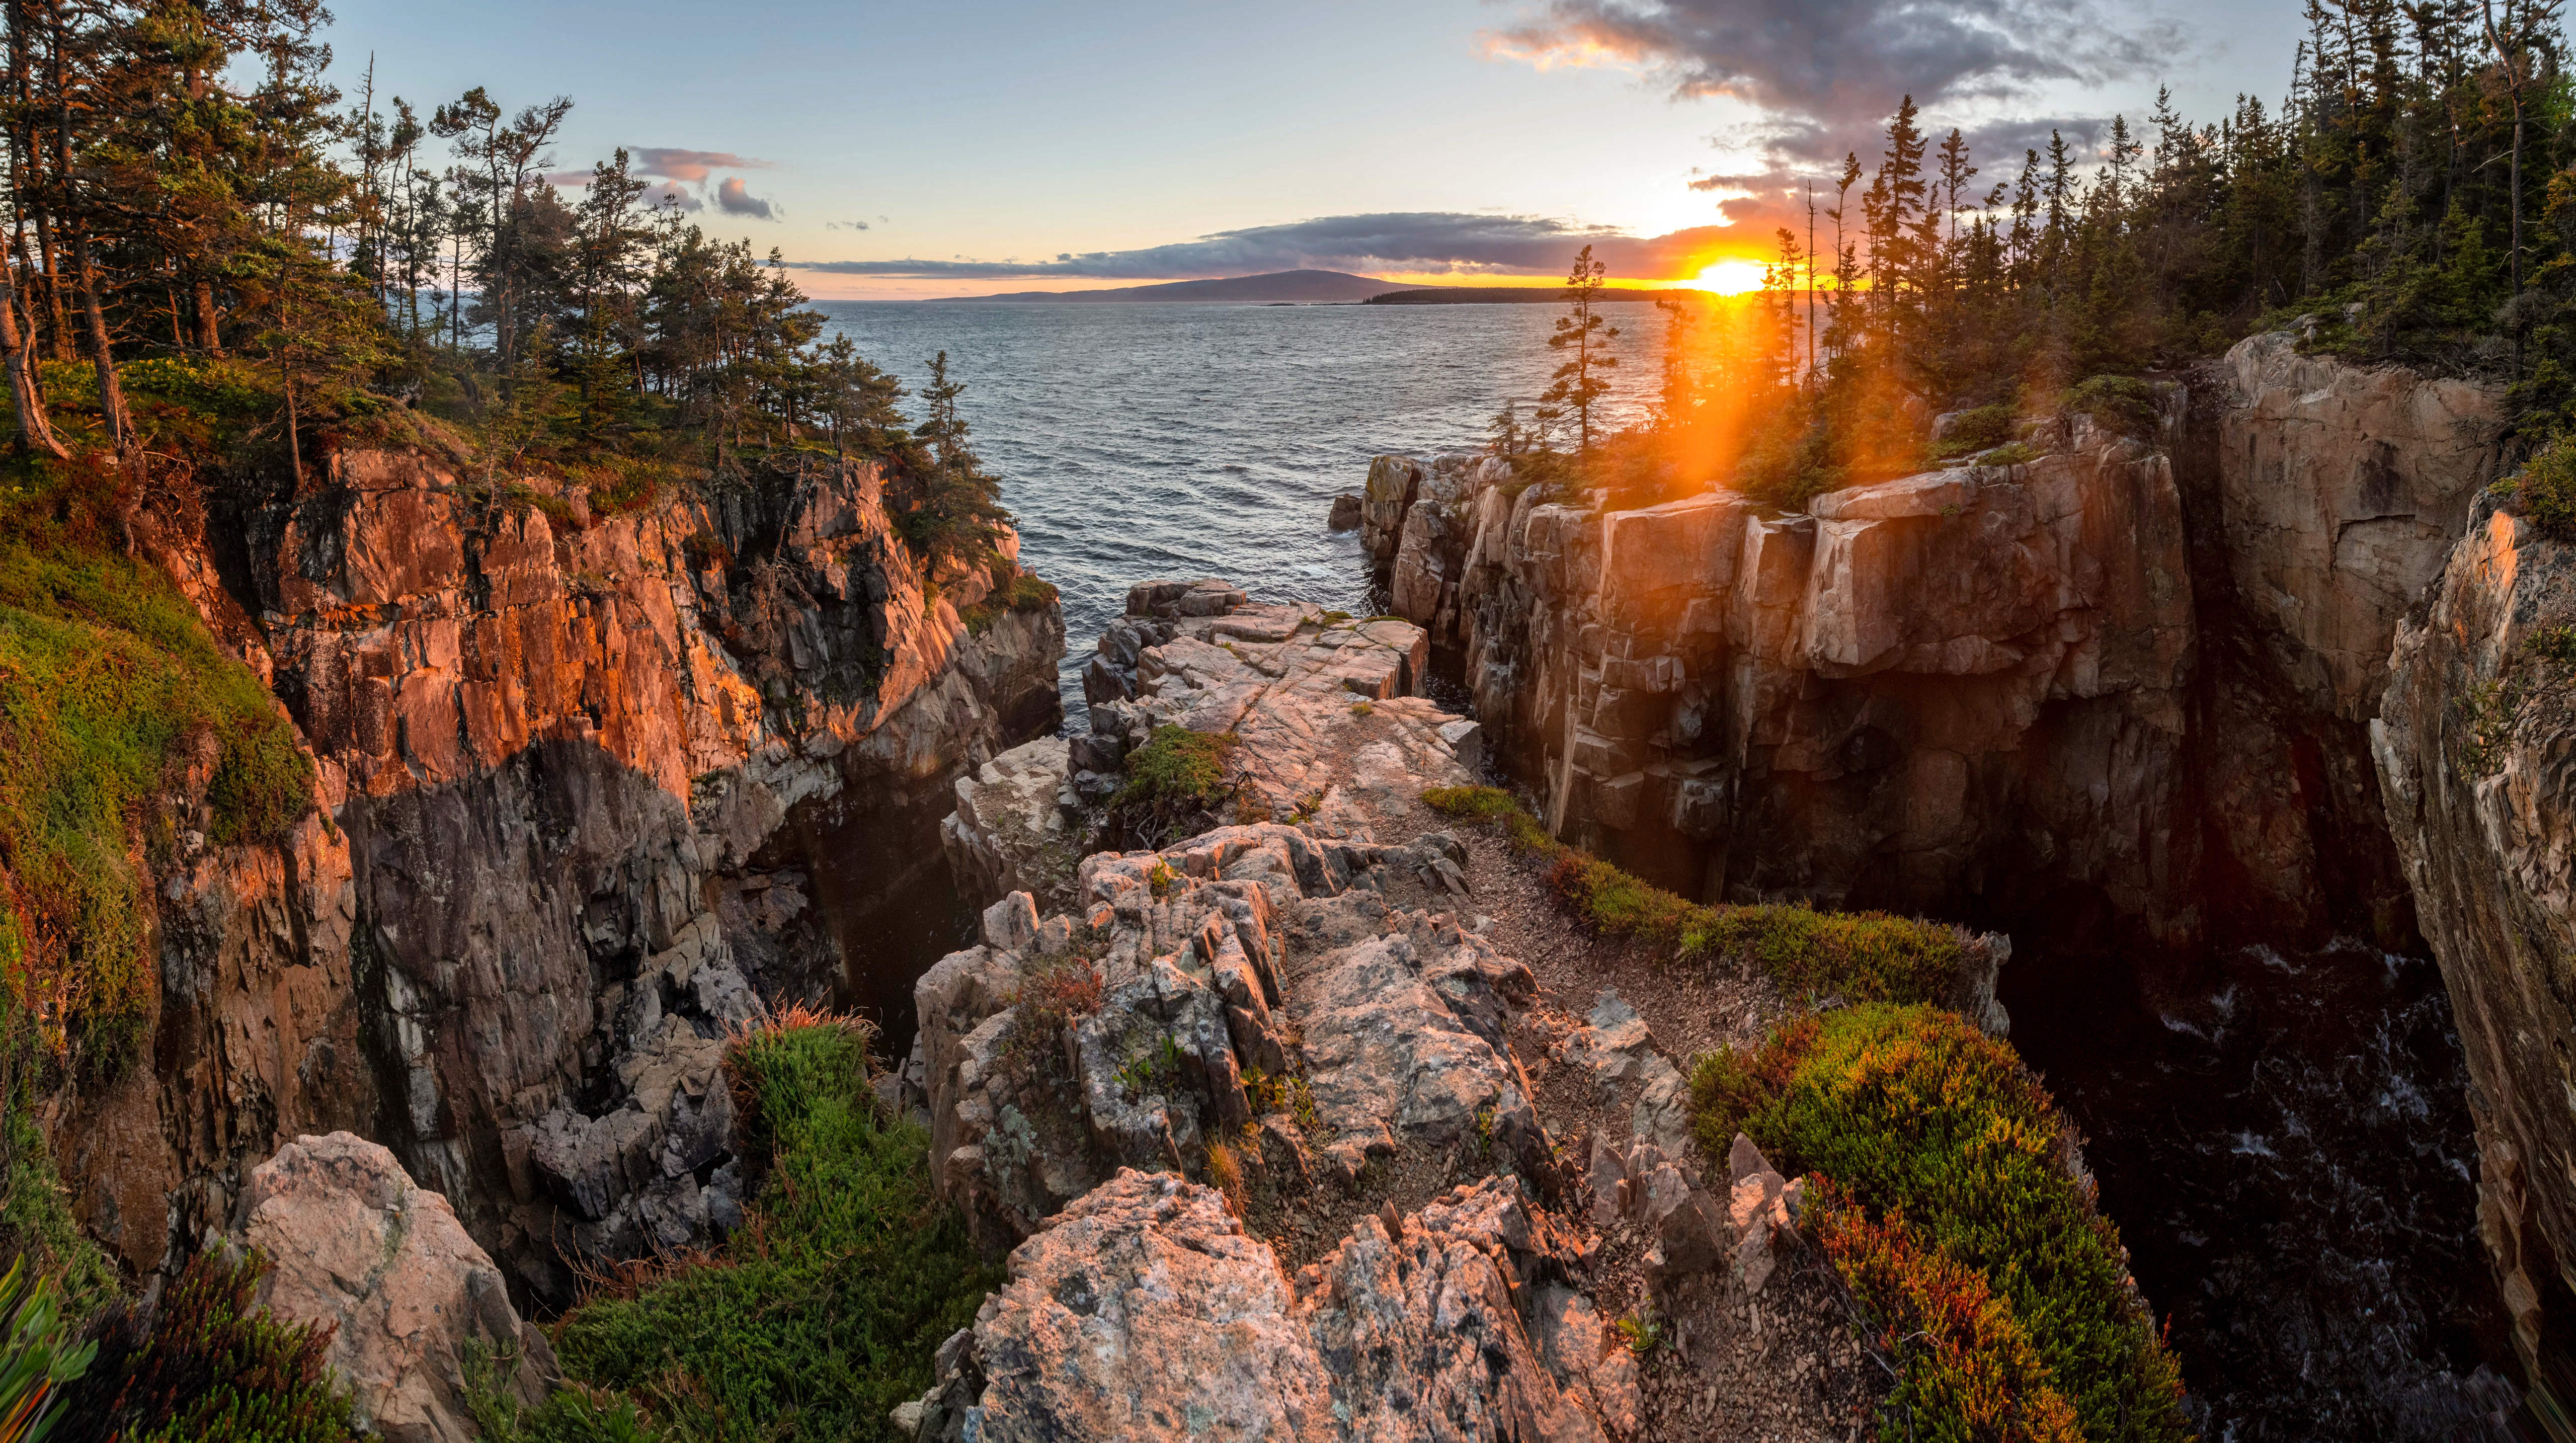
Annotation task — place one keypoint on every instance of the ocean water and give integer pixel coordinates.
(1137, 441)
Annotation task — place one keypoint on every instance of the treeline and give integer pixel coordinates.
(197, 211)
(2416, 195)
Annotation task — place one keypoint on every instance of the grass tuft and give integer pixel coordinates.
(828, 1303)
(1857, 955)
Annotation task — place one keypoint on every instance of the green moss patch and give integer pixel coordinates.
(1857, 955)
(1952, 1211)
(107, 677)
(825, 1308)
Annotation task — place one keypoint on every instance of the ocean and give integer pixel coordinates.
(1139, 440)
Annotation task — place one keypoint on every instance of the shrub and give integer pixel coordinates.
(2123, 403)
(828, 1303)
(1860, 955)
(1977, 430)
(106, 675)
(1176, 781)
(212, 1368)
(1946, 1158)
(2548, 489)
(2015, 454)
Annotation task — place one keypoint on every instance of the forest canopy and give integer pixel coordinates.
(216, 253)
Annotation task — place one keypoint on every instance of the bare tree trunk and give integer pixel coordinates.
(33, 427)
(111, 396)
(209, 338)
(59, 327)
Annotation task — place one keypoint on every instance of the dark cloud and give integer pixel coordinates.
(733, 199)
(690, 167)
(676, 197)
(845, 225)
(1824, 69)
(1437, 242)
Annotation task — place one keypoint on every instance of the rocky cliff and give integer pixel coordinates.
(579, 774)
(2122, 680)
(2474, 742)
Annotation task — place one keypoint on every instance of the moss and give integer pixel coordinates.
(1858, 955)
(824, 1310)
(1950, 1208)
(106, 676)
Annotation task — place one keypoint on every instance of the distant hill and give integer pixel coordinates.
(1277, 288)
(1517, 296)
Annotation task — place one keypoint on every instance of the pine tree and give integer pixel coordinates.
(1585, 332)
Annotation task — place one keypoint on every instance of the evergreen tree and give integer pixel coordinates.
(1578, 385)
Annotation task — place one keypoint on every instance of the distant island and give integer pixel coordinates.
(1519, 296)
(1277, 288)
(1323, 288)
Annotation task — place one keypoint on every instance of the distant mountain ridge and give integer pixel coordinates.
(1307, 287)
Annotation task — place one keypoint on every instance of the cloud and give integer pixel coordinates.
(1837, 66)
(845, 225)
(1412, 242)
(676, 197)
(733, 199)
(690, 167)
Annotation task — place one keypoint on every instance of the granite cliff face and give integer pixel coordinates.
(2125, 681)
(2474, 742)
(579, 775)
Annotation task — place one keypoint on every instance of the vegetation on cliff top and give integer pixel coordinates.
(824, 1308)
(2415, 198)
(1953, 1209)
(1855, 955)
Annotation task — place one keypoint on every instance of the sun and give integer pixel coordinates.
(1731, 277)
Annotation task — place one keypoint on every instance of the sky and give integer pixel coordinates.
(967, 147)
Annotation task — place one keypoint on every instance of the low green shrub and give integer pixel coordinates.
(824, 1310)
(106, 676)
(2014, 454)
(2547, 486)
(1176, 782)
(2123, 403)
(1947, 1159)
(1977, 430)
(1858, 955)
(211, 1368)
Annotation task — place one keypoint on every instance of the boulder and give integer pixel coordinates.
(356, 1247)
(1143, 1312)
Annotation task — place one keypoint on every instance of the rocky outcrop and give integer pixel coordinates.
(2322, 499)
(2125, 679)
(1145, 1312)
(356, 1248)
(1873, 704)
(579, 774)
(2473, 744)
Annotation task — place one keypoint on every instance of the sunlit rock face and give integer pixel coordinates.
(2127, 679)
(577, 774)
(2475, 743)
(1913, 693)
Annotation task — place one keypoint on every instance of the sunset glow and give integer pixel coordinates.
(1731, 277)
